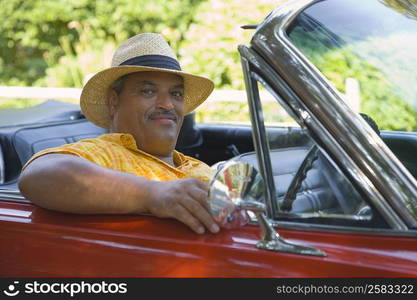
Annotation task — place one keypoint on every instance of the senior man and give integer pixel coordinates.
(142, 99)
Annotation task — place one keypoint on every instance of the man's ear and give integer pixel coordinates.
(112, 101)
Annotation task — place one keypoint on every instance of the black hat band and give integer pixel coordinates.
(153, 61)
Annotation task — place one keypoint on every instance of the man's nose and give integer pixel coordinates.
(164, 101)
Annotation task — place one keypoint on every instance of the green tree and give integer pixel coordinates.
(210, 45)
(378, 69)
(36, 34)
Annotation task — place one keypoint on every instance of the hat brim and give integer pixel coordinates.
(93, 100)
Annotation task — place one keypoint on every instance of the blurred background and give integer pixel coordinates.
(61, 43)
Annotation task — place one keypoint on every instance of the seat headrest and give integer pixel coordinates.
(190, 135)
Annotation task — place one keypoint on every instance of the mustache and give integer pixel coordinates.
(167, 113)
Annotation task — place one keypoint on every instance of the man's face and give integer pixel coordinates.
(150, 106)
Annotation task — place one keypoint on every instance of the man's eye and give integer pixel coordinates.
(147, 92)
(177, 94)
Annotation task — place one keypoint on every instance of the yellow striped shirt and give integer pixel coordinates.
(118, 151)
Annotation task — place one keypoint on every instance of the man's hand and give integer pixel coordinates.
(185, 200)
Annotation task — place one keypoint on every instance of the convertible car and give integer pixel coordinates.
(328, 188)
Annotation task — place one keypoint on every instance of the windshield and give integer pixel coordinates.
(368, 50)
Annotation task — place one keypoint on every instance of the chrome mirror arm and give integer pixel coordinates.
(270, 239)
(251, 205)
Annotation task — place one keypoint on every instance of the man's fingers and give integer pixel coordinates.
(200, 195)
(198, 211)
(187, 201)
(184, 216)
(198, 205)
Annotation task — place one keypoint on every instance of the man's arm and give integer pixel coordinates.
(72, 184)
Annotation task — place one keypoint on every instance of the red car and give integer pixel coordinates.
(338, 187)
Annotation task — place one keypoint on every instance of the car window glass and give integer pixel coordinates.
(368, 50)
(308, 185)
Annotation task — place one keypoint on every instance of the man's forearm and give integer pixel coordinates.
(72, 184)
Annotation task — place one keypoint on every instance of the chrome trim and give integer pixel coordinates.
(294, 224)
(342, 229)
(370, 162)
(319, 214)
(260, 139)
(11, 195)
(271, 240)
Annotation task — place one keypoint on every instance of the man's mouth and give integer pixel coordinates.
(164, 117)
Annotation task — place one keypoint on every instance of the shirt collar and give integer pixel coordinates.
(127, 140)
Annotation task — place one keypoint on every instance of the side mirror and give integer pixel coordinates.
(235, 188)
(238, 187)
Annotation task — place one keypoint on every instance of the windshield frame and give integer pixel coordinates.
(371, 164)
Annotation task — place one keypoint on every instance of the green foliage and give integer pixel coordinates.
(378, 96)
(223, 112)
(210, 45)
(59, 43)
(383, 94)
(35, 35)
(403, 7)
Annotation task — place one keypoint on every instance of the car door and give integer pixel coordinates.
(36, 242)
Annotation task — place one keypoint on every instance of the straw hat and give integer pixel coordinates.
(143, 52)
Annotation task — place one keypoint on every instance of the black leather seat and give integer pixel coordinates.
(19, 145)
(190, 137)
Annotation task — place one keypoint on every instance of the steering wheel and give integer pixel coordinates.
(298, 178)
